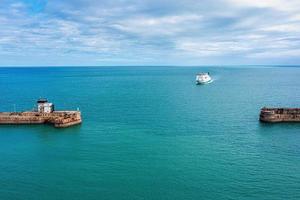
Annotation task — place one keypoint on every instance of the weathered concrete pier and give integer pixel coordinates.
(45, 113)
(279, 115)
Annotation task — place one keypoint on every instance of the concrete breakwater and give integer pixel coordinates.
(280, 115)
(57, 118)
(43, 114)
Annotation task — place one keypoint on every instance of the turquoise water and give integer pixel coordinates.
(151, 133)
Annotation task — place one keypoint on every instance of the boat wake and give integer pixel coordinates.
(212, 80)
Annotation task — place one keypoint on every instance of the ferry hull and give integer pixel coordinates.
(203, 83)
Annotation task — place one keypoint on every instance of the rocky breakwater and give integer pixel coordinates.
(280, 115)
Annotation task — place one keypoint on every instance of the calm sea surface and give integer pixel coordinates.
(151, 133)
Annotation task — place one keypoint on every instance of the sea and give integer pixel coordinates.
(151, 133)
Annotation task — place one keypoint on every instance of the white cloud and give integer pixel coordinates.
(273, 53)
(211, 48)
(166, 25)
(281, 5)
(286, 28)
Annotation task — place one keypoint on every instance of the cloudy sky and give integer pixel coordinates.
(149, 32)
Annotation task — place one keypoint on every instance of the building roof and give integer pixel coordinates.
(42, 100)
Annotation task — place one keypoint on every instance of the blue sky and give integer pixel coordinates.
(149, 32)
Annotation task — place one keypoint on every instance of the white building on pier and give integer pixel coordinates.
(44, 106)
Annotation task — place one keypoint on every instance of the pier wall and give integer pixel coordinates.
(57, 118)
(280, 115)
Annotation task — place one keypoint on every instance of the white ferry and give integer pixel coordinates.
(203, 78)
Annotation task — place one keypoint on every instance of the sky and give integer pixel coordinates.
(149, 32)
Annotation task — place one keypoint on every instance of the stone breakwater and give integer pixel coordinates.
(59, 119)
(280, 115)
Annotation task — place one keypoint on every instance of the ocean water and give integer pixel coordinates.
(151, 133)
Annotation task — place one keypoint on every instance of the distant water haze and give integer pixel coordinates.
(152, 133)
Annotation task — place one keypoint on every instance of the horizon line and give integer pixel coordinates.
(234, 65)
